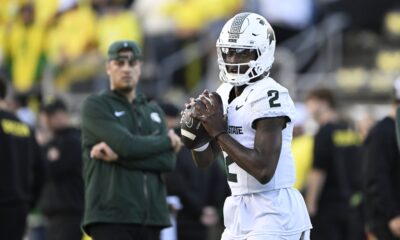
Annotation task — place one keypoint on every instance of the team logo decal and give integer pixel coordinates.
(236, 26)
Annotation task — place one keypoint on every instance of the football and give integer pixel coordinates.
(193, 134)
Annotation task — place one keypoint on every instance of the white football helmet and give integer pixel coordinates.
(246, 31)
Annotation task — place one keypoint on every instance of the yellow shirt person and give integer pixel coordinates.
(73, 33)
(116, 25)
(302, 147)
(302, 150)
(24, 49)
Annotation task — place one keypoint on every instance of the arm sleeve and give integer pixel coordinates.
(162, 162)
(273, 104)
(378, 162)
(97, 122)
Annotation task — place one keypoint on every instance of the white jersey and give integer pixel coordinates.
(265, 98)
(255, 210)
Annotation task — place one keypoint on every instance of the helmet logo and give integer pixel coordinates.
(237, 26)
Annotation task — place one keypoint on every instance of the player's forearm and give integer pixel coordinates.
(203, 159)
(248, 159)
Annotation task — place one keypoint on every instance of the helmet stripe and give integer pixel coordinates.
(236, 26)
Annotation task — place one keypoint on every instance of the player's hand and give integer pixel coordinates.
(175, 140)
(212, 117)
(394, 226)
(188, 105)
(104, 152)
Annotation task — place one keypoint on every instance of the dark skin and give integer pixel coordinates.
(259, 161)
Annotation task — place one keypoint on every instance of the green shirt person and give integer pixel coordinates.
(126, 147)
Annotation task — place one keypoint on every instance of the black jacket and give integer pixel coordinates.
(63, 190)
(337, 152)
(382, 174)
(21, 165)
(196, 188)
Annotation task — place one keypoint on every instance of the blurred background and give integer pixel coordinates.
(57, 47)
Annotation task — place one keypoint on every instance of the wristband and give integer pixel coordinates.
(202, 148)
(219, 134)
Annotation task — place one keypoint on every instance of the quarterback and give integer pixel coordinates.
(251, 124)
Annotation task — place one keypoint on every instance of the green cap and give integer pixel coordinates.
(116, 47)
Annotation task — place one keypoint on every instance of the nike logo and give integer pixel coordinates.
(119, 113)
(245, 100)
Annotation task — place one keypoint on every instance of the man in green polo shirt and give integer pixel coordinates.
(126, 148)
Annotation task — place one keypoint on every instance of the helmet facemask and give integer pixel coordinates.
(246, 32)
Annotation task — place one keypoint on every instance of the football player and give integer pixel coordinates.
(255, 138)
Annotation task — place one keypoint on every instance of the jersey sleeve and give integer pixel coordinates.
(273, 103)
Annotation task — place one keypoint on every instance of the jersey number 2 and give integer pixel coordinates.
(231, 176)
(273, 95)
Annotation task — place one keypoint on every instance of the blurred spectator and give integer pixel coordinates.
(158, 30)
(21, 171)
(153, 17)
(287, 17)
(382, 177)
(201, 191)
(126, 149)
(61, 201)
(333, 197)
(302, 147)
(181, 25)
(8, 10)
(45, 10)
(71, 44)
(116, 23)
(25, 49)
(192, 18)
(72, 33)
(23, 111)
